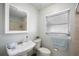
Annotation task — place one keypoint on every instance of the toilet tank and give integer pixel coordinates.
(38, 43)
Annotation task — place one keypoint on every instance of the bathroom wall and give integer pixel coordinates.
(32, 15)
(46, 42)
(76, 41)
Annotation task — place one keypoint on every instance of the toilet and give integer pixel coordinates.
(41, 51)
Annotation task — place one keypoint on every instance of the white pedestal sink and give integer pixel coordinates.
(21, 49)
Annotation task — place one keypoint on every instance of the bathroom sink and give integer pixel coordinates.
(25, 47)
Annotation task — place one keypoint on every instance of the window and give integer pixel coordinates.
(58, 22)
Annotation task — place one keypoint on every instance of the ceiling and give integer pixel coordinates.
(40, 6)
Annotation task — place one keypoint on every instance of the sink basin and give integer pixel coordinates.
(25, 47)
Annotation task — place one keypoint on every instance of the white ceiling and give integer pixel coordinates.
(40, 6)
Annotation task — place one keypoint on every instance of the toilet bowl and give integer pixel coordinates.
(41, 51)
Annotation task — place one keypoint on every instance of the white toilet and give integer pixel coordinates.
(41, 51)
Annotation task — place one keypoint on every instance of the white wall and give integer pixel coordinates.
(50, 10)
(31, 25)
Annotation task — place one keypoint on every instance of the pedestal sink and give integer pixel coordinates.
(21, 49)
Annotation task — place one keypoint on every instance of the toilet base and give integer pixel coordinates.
(43, 52)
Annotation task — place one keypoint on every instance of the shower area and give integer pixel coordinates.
(58, 32)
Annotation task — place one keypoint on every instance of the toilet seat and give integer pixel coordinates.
(44, 50)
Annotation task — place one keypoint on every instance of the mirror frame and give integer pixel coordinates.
(7, 20)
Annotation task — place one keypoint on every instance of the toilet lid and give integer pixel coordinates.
(44, 50)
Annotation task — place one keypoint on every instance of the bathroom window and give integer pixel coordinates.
(58, 22)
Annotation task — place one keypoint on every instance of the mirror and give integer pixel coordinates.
(17, 20)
